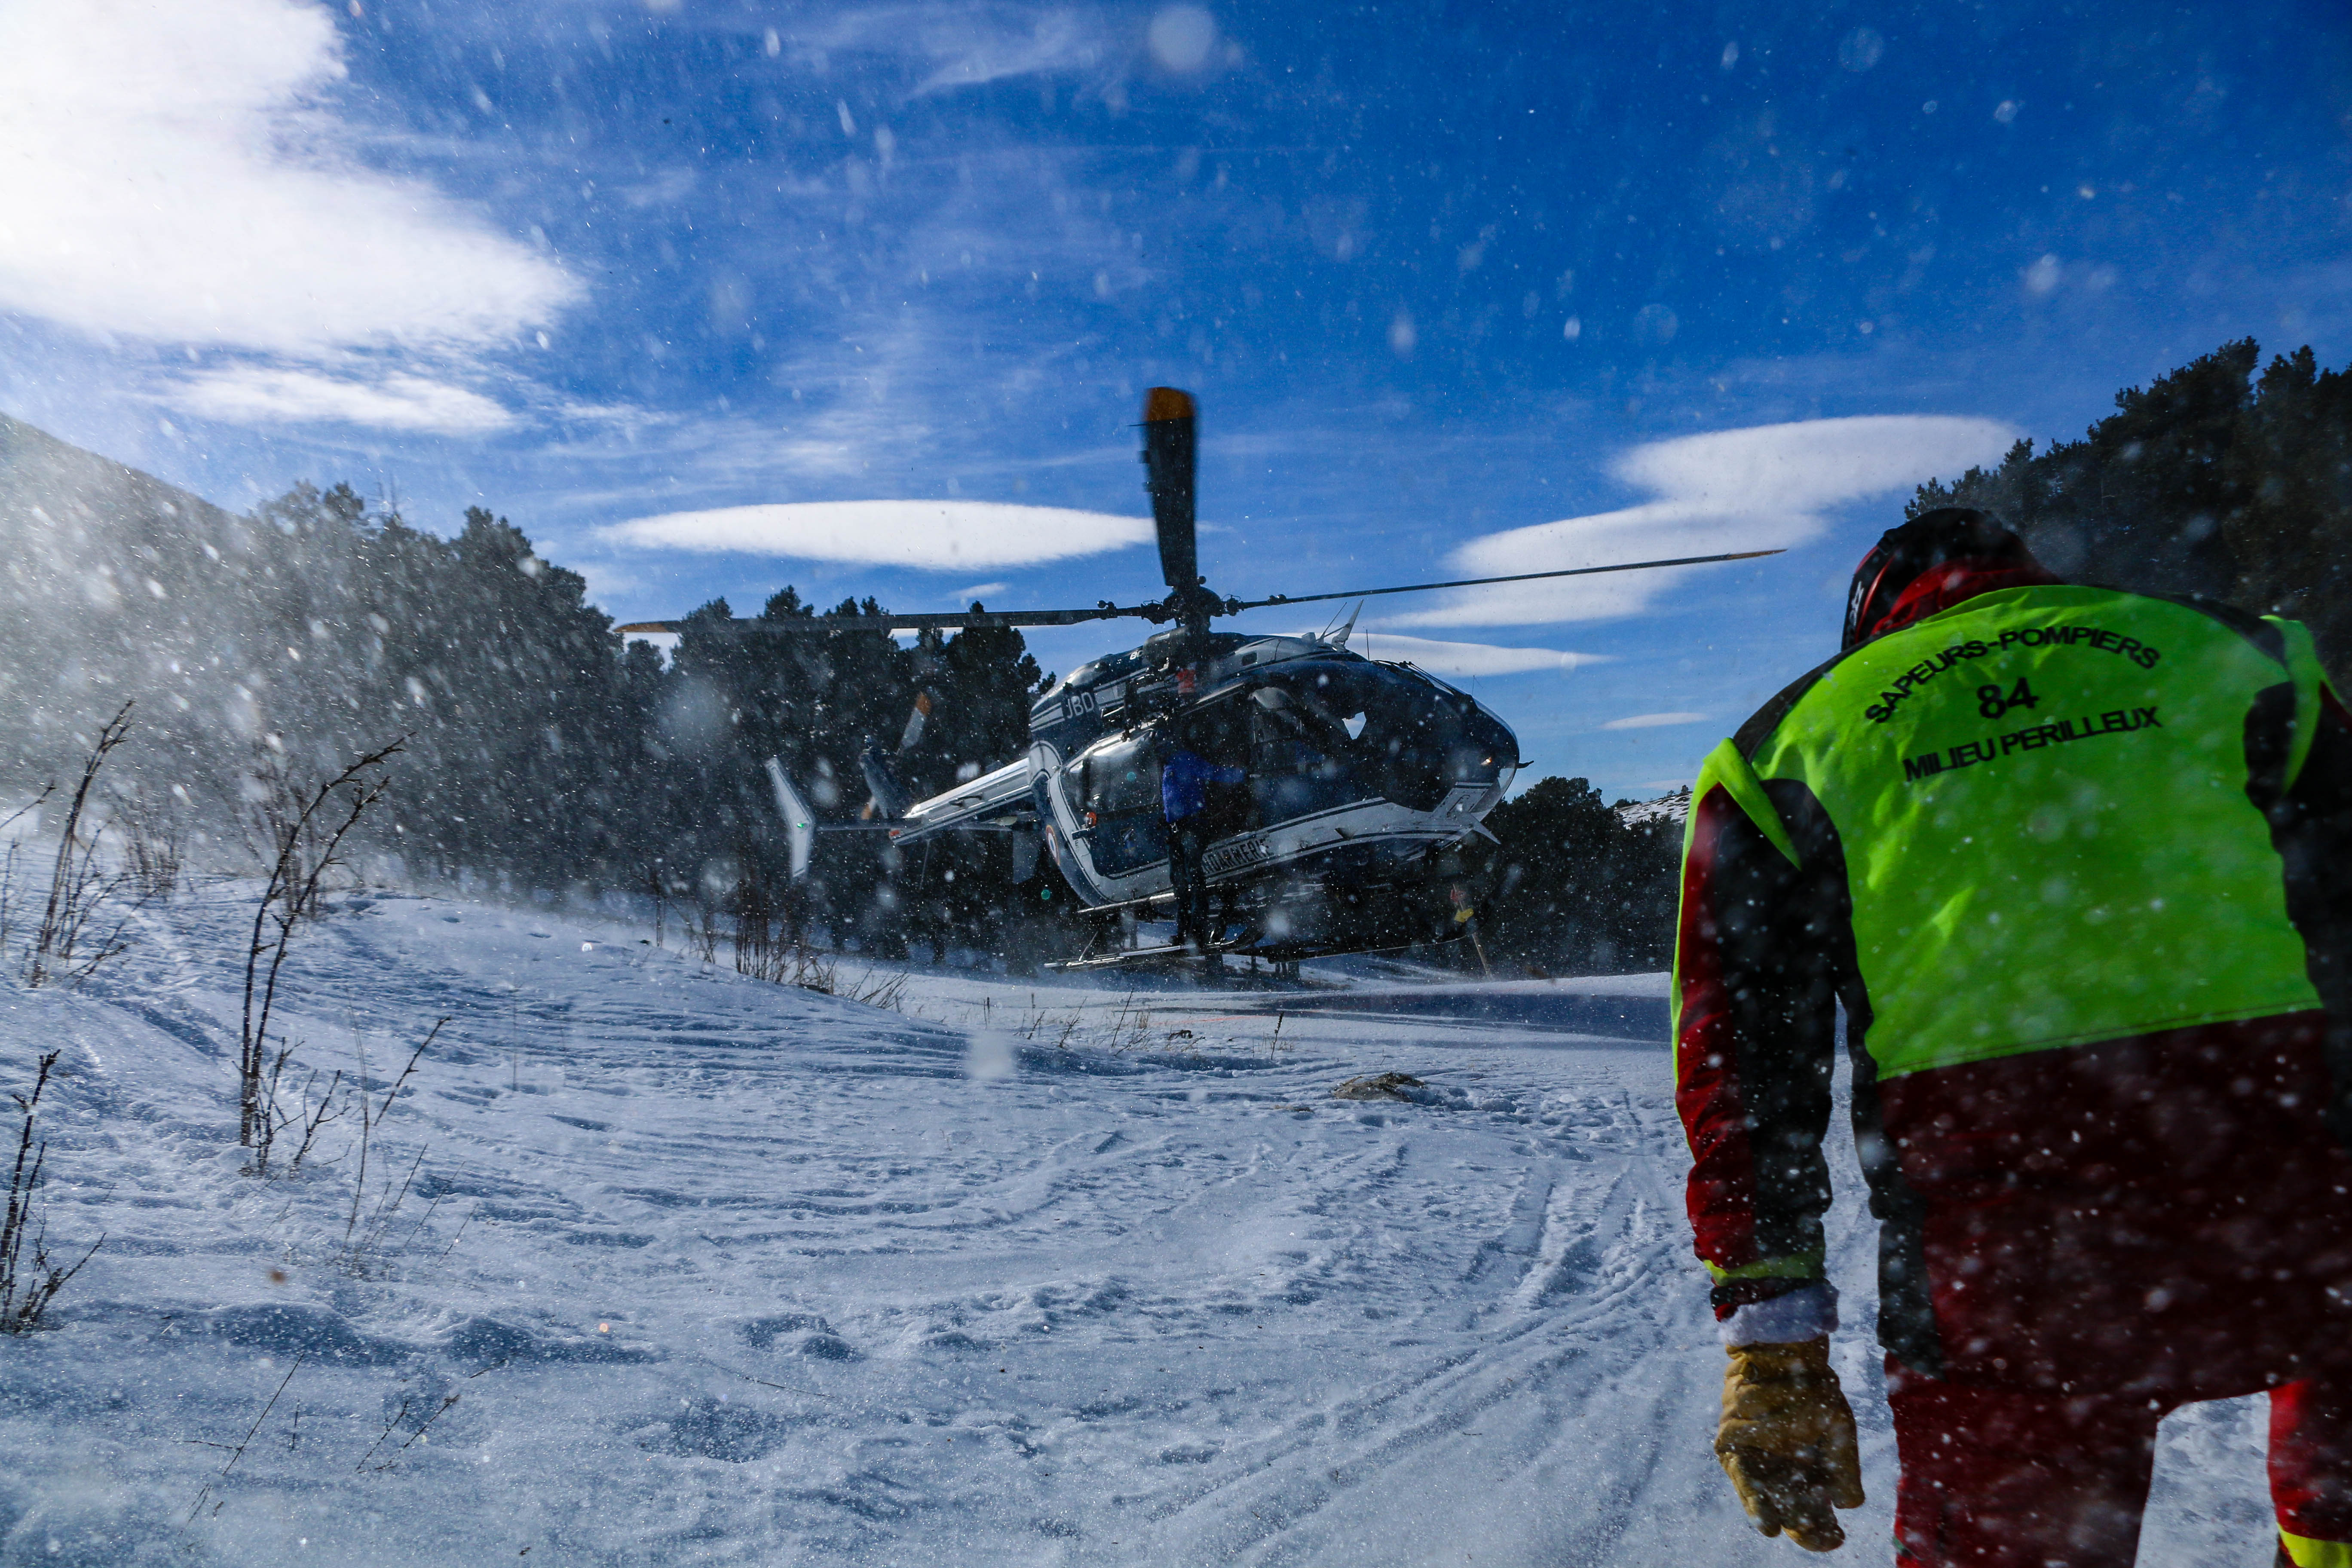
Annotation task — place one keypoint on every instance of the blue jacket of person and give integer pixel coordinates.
(1184, 781)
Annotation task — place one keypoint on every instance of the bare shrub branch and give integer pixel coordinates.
(26, 1291)
(311, 1121)
(81, 889)
(658, 885)
(246, 1441)
(310, 1116)
(700, 920)
(306, 831)
(757, 951)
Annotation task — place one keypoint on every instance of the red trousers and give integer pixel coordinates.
(2003, 1477)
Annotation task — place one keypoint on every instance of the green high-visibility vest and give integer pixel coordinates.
(2042, 798)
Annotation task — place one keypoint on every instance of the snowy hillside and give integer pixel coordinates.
(695, 1268)
(1669, 809)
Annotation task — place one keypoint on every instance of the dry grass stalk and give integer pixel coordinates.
(363, 1246)
(154, 842)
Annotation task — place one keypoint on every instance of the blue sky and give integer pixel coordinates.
(1461, 288)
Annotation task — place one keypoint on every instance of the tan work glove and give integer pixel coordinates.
(1786, 1441)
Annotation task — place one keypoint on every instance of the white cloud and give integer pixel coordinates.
(1466, 659)
(981, 590)
(1811, 463)
(258, 394)
(172, 173)
(1056, 41)
(668, 186)
(930, 535)
(959, 45)
(1761, 487)
(1654, 720)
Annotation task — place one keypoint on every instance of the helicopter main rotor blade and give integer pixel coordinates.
(925, 620)
(1234, 606)
(1169, 460)
(922, 620)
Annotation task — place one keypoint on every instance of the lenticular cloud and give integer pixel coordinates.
(1762, 487)
(927, 535)
(1466, 659)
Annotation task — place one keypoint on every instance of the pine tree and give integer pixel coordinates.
(1578, 889)
(2208, 481)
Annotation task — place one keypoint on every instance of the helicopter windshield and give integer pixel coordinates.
(1330, 732)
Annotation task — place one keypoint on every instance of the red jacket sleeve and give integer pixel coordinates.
(1756, 976)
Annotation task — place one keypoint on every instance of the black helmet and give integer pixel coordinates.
(1903, 555)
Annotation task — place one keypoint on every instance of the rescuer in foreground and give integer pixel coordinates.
(2078, 865)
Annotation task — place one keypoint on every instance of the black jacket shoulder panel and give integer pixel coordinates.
(1766, 719)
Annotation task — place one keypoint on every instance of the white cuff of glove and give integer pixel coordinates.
(1807, 1312)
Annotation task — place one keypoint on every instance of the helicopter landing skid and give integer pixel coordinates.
(1146, 957)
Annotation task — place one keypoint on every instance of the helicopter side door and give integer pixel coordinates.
(1219, 731)
(1117, 791)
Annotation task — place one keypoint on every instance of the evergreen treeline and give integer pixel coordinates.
(1581, 890)
(540, 752)
(2210, 481)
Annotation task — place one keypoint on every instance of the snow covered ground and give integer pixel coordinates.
(696, 1269)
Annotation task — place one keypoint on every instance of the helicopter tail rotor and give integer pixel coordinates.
(916, 718)
(1168, 457)
(888, 798)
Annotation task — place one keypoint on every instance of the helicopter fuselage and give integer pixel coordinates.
(1363, 780)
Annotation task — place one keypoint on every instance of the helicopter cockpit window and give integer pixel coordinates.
(1396, 733)
(1300, 760)
(1109, 668)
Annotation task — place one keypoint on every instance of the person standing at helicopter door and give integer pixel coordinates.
(1184, 779)
(2077, 864)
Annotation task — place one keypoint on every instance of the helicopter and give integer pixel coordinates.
(1365, 784)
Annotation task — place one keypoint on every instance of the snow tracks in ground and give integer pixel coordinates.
(658, 1265)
